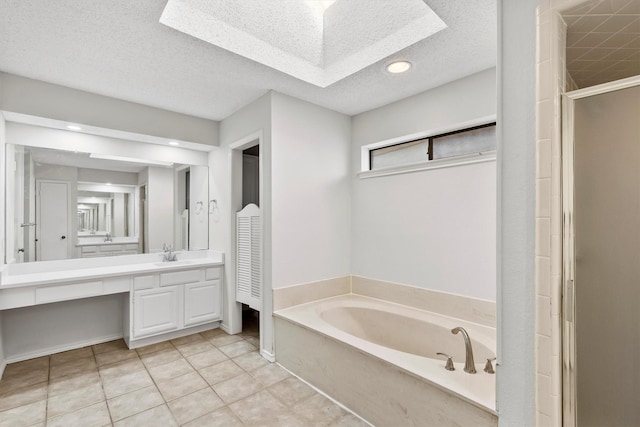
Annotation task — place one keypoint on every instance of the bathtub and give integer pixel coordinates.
(402, 337)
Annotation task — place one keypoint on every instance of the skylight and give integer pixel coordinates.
(289, 37)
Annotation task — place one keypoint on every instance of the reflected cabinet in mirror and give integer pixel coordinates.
(72, 204)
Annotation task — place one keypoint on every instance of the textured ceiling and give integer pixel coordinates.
(119, 48)
(603, 41)
(293, 38)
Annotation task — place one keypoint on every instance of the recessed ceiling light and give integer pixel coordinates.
(174, 143)
(108, 183)
(74, 127)
(398, 67)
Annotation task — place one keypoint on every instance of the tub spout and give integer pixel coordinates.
(469, 365)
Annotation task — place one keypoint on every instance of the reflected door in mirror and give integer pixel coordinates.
(53, 224)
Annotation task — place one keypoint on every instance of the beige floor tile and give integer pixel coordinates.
(219, 372)
(187, 339)
(26, 366)
(237, 388)
(223, 417)
(86, 364)
(161, 357)
(291, 391)
(284, 419)
(109, 346)
(92, 416)
(24, 415)
(260, 408)
(349, 420)
(181, 386)
(194, 405)
(23, 396)
(194, 347)
(115, 356)
(170, 370)
(318, 408)
(133, 403)
(269, 374)
(237, 348)
(121, 368)
(68, 356)
(116, 386)
(160, 416)
(73, 400)
(250, 361)
(206, 358)
(211, 333)
(73, 382)
(153, 348)
(23, 379)
(254, 341)
(221, 340)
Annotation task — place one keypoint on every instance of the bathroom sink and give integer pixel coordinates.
(173, 263)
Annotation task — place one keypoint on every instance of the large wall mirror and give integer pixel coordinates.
(83, 203)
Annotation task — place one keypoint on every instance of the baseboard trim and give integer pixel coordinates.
(3, 364)
(269, 356)
(171, 335)
(58, 349)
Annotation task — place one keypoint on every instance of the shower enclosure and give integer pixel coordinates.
(601, 251)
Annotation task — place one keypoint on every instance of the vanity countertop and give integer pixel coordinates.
(94, 271)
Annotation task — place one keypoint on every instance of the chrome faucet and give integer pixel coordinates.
(108, 238)
(469, 365)
(168, 255)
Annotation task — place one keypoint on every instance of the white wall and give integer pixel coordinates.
(310, 192)
(199, 214)
(49, 328)
(436, 228)
(160, 207)
(516, 212)
(37, 98)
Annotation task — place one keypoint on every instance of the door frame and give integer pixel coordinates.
(266, 312)
(568, 309)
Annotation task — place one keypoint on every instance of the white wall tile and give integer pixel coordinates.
(543, 398)
(543, 346)
(543, 318)
(543, 237)
(543, 276)
(543, 198)
(543, 158)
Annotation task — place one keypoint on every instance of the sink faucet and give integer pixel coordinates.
(469, 365)
(108, 238)
(168, 255)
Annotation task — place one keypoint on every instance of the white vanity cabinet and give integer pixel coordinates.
(168, 302)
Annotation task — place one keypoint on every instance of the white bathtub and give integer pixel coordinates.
(407, 338)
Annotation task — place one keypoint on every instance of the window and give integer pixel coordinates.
(458, 144)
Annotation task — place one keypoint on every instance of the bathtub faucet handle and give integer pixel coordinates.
(449, 366)
(488, 368)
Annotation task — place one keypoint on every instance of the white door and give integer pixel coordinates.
(53, 220)
(202, 302)
(155, 311)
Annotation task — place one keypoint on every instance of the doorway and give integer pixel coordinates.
(52, 212)
(247, 178)
(601, 254)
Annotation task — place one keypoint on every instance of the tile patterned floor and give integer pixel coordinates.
(205, 379)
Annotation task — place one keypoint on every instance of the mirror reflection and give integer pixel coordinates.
(71, 204)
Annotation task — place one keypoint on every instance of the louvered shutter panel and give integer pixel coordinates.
(248, 254)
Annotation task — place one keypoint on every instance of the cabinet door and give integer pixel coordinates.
(202, 302)
(155, 311)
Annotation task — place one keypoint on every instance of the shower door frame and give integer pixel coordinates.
(569, 413)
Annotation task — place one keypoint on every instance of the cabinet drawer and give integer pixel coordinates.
(143, 282)
(179, 277)
(131, 247)
(68, 292)
(89, 249)
(212, 273)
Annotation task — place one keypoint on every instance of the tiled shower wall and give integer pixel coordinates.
(552, 81)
